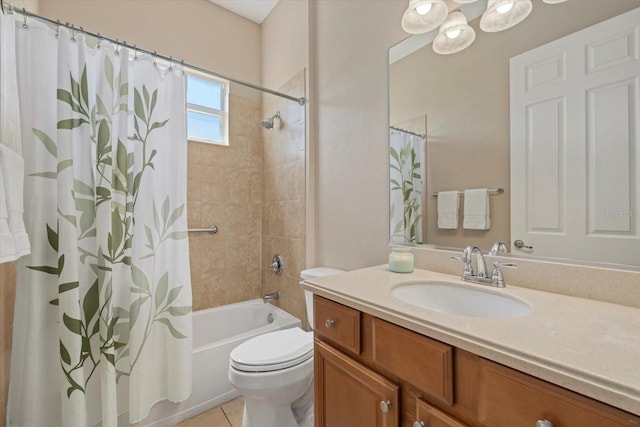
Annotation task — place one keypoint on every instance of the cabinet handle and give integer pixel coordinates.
(385, 405)
(329, 323)
(544, 423)
(419, 424)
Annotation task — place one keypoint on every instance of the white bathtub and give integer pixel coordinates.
(217, 331)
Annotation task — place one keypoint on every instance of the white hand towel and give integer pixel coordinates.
(448, 207)
(9, 102)
(7, 245)
(12, 171)
(477, 215)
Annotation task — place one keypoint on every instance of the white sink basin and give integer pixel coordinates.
(450, 298)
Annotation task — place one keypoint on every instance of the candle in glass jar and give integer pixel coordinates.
(401, 260)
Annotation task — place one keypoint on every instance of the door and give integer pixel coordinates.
(348, 394)
(575, 157)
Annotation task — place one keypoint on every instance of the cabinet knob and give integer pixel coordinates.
(329, 323)
(419, 424)
(544, 423)
(385, 405)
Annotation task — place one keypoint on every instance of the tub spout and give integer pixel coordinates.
(271, 297)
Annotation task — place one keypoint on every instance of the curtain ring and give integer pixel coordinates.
(171, 63)
(135, 52)
(73, 33)
(155, 58)
(116, 49)
(24, 17)
(58, 29)
(99, 41)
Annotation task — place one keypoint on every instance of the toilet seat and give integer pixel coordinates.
(273, 351)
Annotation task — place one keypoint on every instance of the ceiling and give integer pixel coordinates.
(255, 10)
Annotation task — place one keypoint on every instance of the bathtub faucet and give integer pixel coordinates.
(271, 297)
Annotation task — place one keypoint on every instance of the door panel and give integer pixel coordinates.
(575, 156)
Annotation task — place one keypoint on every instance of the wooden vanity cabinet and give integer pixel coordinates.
(362, 361)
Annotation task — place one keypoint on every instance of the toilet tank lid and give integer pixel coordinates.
(313, 273)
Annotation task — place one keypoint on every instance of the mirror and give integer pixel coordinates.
(460, 104)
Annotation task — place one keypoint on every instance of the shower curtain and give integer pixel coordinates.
(103, 306)
(406, 178)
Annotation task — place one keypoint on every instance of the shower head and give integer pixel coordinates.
(270, 122)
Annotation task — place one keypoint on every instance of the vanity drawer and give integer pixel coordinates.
(337, 323)
(433, 417)
(414, 358)
(509, 398)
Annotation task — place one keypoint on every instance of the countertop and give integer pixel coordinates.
(587, 346)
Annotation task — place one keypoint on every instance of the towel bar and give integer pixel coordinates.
(212, 229)
(498, 190)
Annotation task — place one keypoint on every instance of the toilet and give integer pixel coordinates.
(274, 372)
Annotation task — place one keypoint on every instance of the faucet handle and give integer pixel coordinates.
(468, 268)
(496, 273)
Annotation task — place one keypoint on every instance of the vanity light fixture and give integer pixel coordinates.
(455, 35)
(424, 15)
(503, 14)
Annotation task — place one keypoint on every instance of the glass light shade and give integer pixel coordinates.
(456, 23)
(415, 23)
(464, 1)
(554, 1)
(500, 16)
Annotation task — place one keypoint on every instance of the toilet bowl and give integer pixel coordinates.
(274, 373)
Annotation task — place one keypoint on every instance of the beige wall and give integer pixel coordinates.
(285, 44)
(352, 157)
(283, 222)
(30, 5)
(7, 298)
(466, 99)
(197, 31)
(225, 189)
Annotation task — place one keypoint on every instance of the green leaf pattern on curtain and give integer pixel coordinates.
(406, 181)
(99, 329)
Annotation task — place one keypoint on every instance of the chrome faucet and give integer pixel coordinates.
(271, 297)
(479, 275)
(498, 246)
(481, 265)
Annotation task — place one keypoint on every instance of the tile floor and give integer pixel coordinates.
(226, 415)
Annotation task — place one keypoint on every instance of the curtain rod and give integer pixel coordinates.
(406, 131)
(8, 8)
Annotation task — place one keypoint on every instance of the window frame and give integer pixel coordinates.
(222, 114)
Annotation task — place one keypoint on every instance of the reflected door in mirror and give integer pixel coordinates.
(575, 114)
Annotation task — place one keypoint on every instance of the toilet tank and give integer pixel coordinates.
(313, 273)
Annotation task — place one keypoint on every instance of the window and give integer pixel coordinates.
(207, 109)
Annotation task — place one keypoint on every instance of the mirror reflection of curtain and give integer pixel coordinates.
(406, 176)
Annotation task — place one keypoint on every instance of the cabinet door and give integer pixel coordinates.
(348, 394)
(428, 416)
